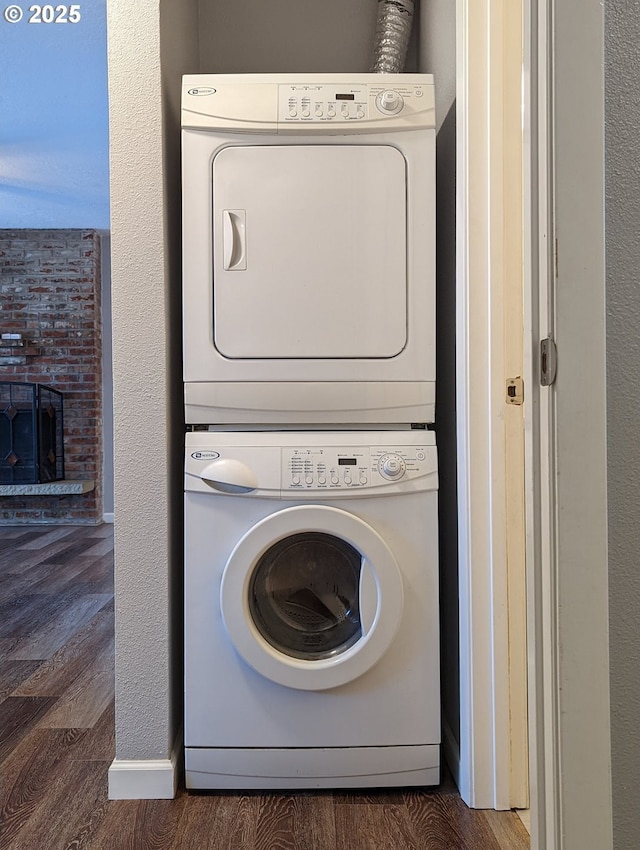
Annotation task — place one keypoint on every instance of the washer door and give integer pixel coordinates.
(311, 597)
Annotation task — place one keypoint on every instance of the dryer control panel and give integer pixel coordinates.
(308, 103)
(342, 103)
(322, 102)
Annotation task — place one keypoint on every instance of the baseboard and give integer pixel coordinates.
(146, 779)
(451, 751)
(108, 518)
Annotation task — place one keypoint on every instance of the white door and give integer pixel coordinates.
(311, 597)
(310, 247)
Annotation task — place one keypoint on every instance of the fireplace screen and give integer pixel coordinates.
(31, 449)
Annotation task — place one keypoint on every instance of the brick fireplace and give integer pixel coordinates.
(51, 326)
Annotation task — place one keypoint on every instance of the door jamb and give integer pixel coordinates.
(493, 769)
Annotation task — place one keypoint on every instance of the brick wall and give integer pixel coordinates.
(50, 293)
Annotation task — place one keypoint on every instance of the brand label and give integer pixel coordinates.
(201, 91)
(205, 455)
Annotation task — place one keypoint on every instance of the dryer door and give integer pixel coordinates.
(310, 251)
(311, 597)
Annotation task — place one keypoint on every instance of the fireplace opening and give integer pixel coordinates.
(31, 433)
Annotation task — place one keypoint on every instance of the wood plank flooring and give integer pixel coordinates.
(57, 738)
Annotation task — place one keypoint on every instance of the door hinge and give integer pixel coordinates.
(515, 390)
(548, 361)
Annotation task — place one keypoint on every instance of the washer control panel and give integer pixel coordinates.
(310, 465)
(351, 467)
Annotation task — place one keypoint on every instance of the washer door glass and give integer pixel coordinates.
(311, 597)
(304, 595)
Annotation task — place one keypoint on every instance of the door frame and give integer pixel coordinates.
(493, 767)
(566, 522)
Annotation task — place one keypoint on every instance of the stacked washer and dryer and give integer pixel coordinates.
(311, 555)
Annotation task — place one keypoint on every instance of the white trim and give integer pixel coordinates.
(108, 518)
(539, 467)
(143, 779)
(466, 743)
(146, 779)
(492, 725)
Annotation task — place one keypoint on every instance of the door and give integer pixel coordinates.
(569, 592)
(311, 597)
(310, 247)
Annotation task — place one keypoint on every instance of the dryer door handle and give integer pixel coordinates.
(369, 597)
(229, 476)
(234, 241)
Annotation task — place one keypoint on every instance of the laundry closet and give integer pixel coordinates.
(297, 45)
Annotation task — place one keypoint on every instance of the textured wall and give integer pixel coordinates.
(146, 361)
(622, 140)
(50, 293)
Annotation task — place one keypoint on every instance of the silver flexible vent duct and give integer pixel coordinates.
(393, 29)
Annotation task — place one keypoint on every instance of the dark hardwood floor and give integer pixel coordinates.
(57, 739)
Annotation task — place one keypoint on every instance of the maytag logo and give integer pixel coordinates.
(205, 455)
(201, 91)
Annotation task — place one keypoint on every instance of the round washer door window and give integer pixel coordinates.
(311, 597)
(304, 595)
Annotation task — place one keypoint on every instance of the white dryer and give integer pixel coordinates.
(309, 248)
(311, 610)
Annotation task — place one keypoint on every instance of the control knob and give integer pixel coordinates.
(390, 102)
(392, 467)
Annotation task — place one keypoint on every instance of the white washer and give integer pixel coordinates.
(309, 248)
(311, 610)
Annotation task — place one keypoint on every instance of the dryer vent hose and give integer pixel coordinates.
(393, 29)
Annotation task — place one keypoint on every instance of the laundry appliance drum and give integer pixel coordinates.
(311, 597)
